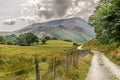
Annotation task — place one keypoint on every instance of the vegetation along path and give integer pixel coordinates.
(102, 68)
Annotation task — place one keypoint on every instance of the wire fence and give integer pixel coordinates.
(35, 66)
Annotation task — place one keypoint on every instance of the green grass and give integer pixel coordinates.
(50, 47)
(112, 51)
(80, 73)
(13, 57)
(21, 59)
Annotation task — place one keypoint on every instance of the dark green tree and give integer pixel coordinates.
(26, 39)
(47, 37)
(1, 40)
(106, 20)
(43, 41)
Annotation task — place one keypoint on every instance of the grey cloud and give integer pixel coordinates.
(76, 2)
(61, 6)
(46, 13)
(52, 9)
(9, 22)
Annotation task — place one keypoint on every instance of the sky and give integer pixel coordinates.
(16, 14)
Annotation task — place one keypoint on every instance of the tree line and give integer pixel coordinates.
(25, 39)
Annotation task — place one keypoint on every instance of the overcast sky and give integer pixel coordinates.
(16, 14)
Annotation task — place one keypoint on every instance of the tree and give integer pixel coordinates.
(8, 42)
(106, 20)
(26, 39)
(43, 41)
(1, 40)
(47, 37)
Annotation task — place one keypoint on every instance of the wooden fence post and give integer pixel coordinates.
(73, 61)
(66, 65)
(37, 68)
(77, 57)
(54, 68)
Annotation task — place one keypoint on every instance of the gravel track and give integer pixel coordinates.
(102, 68)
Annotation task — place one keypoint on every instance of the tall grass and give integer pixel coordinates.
(21, 59)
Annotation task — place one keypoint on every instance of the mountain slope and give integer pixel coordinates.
(74, 29)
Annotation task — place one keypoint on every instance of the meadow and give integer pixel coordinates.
(17, 62)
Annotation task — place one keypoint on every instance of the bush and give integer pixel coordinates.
(47, 38)
(75, 44)
(67, 40)
(54, 38)
(43, 41)
(9, 43)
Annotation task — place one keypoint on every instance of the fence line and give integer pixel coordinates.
(75, 58)
(18, 70)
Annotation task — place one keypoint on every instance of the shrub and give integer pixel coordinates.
(9, 43)
(67, 40)
(75, 44)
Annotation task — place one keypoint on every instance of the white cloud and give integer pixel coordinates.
(81, 4)
(96, 1)
(29, 19)
(9, 22)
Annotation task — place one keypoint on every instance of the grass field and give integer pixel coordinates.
(17, 62)
(49, 48)
(13, 57)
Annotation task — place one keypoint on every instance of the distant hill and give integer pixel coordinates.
(74, 29)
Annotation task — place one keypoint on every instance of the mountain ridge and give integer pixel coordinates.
(74, 29)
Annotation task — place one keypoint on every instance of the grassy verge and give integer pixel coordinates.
(78, 72)
(81, 70)
(112, 51)
(84, 66)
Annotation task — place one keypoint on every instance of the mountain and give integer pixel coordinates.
(74, 29)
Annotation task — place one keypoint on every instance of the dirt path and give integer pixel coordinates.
(79, 48)
(102, 68)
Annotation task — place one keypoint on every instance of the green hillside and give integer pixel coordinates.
(112, 51)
